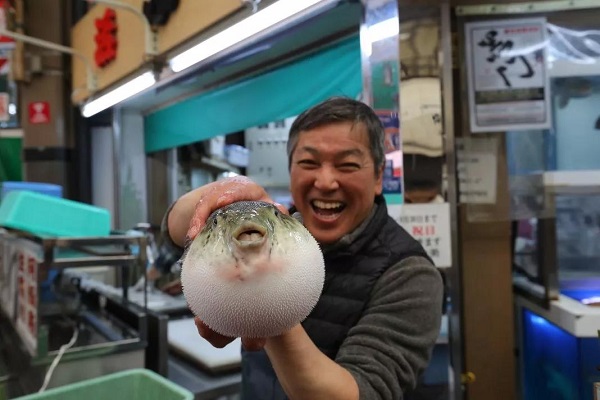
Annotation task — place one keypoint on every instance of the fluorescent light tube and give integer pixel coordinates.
(120, 93)
(384, 29)
(244, 29)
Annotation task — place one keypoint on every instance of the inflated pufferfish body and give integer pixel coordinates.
(252, 271)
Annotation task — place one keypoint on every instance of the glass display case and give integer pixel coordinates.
(554, 190)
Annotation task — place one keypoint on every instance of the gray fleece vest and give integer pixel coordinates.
(350, 275)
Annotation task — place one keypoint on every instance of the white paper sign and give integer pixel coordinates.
(507, 77)
(430, 225)
(27, 298)
(477, 167)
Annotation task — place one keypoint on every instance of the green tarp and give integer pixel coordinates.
(278, 94)
(11, 165)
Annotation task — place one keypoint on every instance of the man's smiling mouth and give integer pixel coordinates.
(327, 209)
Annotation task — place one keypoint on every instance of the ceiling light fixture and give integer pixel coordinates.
(248, 27)
(125, 90)
(383, 30)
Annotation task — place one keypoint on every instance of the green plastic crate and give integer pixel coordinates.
(47, 215)
(133, 384)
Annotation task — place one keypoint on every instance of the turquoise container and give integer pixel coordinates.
(46, 215)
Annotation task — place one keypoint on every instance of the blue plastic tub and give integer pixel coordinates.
(46, 215)
(43, 188)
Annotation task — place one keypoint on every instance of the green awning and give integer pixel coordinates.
(275, 95)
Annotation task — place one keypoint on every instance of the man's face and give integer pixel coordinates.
(333, 179)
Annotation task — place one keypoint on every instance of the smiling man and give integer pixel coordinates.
(375, 324)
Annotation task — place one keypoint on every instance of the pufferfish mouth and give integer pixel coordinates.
(250, 234)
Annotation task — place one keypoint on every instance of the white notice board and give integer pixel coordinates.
(507, 76)
(430, 225)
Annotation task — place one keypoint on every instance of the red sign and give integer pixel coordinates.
(5, 41)
(39, 112)
(106, 38)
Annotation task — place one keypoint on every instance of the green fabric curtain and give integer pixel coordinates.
(278, 94)
(11, 165)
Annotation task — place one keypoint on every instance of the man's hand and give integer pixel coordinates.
(220, 341)
(189, 214)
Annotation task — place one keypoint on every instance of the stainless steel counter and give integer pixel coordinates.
(205, 386)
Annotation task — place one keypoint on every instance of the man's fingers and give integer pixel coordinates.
(253, 344)
(282, 208)
(214, 338)
(222, 193)
(201, 214)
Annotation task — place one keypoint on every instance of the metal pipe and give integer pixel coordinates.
(91, 77)
(93, 261)
(454, 276)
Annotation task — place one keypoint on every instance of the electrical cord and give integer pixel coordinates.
(61, 351)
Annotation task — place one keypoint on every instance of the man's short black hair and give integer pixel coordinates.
(341, 109)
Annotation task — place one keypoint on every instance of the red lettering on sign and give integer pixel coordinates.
(32, 322)
(106, 38)
(423, 230)
(31, 264)
(21, 287)
(32, 295)
(525, 29)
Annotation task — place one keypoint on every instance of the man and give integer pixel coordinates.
(372, 331)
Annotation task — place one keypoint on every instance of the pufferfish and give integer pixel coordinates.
(252, 271)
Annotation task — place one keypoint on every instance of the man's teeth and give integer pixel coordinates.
(327, 205)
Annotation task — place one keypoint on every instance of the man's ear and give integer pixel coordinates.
(379, 181)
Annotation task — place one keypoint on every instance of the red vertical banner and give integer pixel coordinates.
(5, 41)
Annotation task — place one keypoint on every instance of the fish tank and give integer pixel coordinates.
(577, 224)
(556, 223)
(556, 365)
(567, 157)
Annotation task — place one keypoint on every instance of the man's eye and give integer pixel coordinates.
(349, 167)
(308, 163)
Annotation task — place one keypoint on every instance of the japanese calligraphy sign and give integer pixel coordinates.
(507, 76)
(430, 225)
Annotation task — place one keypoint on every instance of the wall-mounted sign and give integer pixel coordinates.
(430, 225)
(507, 75)
(106, 38)
(393, 171)
(27, 299)
(5, 41)
(477, 167)
(39, 112)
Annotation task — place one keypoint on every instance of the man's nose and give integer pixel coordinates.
(326, 179)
